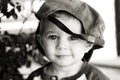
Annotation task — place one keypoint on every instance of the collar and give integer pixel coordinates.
(46, 76)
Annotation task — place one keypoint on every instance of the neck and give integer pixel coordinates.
(65, 71)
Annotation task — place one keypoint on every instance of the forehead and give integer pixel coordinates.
(72, 23)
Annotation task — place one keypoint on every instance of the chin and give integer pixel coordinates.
(64, 64)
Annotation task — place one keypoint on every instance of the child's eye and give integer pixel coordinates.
(52, 37)
(74, 38)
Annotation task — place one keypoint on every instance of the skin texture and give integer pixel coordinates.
(65, 51)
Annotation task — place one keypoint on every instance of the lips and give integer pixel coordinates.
(63, 56)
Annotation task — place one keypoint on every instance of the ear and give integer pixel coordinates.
(89, 46)
(39, 39)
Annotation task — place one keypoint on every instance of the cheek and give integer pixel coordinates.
(49, 48)
(78, 50)
(48, 52)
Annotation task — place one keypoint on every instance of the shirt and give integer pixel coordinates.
(87, 72)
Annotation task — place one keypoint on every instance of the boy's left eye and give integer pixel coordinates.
(74, 38)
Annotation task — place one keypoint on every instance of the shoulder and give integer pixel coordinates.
(35, 74)
(94, 73)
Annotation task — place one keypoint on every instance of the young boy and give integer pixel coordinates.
(68, 32)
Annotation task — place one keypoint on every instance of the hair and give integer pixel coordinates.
(41, 28)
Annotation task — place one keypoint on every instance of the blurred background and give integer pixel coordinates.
(19, 55)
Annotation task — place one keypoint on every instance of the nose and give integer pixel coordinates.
(62, 44)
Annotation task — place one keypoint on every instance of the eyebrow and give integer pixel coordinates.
(49, 32)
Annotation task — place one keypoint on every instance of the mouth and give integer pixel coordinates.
(63, 56)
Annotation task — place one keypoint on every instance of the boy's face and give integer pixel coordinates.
(61, 48)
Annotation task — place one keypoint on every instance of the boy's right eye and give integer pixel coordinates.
(52, 37)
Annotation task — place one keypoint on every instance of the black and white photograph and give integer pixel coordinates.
(59, 40)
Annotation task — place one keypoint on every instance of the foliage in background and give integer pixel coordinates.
(16, 51)
(8, 8)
